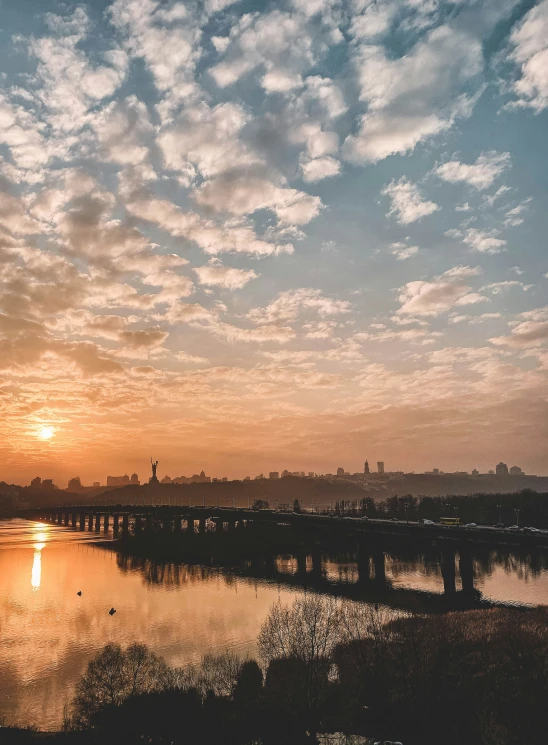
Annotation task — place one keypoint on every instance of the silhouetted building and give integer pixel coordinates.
(366, 468)
(491, 473)
(516, 471)
(96, 484)
(340, 471)
(118, 480)
(475, 472)
(75, 484)
(273, 475)
(36, 483)
(259, 477)
(501, 469)
(166, 480)
(134, 479)
(247, 478)
(311, 474)
(47, 485)
(436, 471)
(380, 466)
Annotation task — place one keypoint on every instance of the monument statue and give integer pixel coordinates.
(154, 478)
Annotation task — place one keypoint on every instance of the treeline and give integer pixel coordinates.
(526, 507)
(479, 677)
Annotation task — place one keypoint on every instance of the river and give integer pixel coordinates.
(48, 633)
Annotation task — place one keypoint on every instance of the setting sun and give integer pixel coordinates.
(46, 433)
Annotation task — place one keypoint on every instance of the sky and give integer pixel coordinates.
(248, 236)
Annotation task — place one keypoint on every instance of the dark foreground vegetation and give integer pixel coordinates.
(477, 677)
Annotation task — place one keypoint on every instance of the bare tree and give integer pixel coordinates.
(307, 631)
(113, 676)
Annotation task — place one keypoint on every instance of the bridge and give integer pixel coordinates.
(215, 534)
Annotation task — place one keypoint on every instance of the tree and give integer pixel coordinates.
(296, 506)
(260, 504)
(115, 675)
(249, 684)
(308, 630)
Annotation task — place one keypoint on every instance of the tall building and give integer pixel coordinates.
(273, 475)
(380, 466)
(516, 471)
(340, 471)
(366, 467)
(118, 480)
(475, 472)
(36, 483)
(501, 469)
(134, 479)
(75, 484)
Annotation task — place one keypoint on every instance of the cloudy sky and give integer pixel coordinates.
(246, 236)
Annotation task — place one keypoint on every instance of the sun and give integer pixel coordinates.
(46, 433)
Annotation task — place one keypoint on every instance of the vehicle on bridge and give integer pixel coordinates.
(449, 520)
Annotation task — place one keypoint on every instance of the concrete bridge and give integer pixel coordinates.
(309, 534)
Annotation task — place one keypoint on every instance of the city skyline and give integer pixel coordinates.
(247, 234)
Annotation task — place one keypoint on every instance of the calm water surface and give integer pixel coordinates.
(48, 634)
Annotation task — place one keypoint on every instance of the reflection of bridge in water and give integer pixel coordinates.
(159, 541)
(314, 573)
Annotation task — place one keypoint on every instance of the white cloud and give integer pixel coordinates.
(402, 251)
(480, 174)
(320, 168)
(207, 139)
(484, 241)
(431, 298)
(214, 273)
(407, 201)
(530, 42)
(288, 305)
(243, 194)
(122, 128)
(416, 96)
(169, 43)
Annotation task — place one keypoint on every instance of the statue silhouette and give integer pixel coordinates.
(154, 467)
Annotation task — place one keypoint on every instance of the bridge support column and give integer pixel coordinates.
(202, 525)
(301, 564)
(125, 525)
(317, 563)
(380, 567)
(148, 524)
(66, 518)
(90, 521)
(59, 518)
(466, 569)
(364, 564)
(167, 524)
(82, 518)
(177, 524)
(97, 522)
(73, 516)
(230, 525)
(448, 571)
(115, 519)
(189, 525)
(137, 524)
(106, 521)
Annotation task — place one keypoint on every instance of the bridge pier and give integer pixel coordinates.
(97, 522)
(380, 566)
(90, 521)
(125, 525)
(177, 524)
(106, 521)
(115, 519)
(73, 517)
(189, 525)
(148, 523)
(167, 524)
(364, 563)
(448, 571)
(137, 527)
(202, 525)
(301, 564)
(317, 563)
(59, 518)
(466, 569)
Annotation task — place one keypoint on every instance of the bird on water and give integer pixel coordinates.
(112, 611)
(79, 593)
